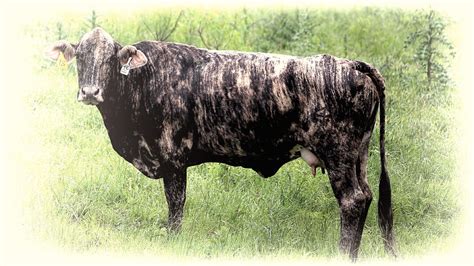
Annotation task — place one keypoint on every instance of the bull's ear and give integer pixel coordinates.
(130, 54)
(67, 49)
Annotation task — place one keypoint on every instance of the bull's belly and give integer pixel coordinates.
(264, 157)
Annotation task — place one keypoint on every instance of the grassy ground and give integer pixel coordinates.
(87, 198)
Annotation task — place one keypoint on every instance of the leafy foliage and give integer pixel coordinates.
(433, 49)
(161, 26)
(287, 31)
(92, 21)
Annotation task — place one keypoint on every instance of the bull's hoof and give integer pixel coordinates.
(174, 227)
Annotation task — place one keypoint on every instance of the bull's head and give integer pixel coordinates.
(98, 56)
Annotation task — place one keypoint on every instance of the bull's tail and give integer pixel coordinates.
(385, 214)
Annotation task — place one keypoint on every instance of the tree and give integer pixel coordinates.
(288, 32)
(433, 50)
(92, 21)
(162, 26)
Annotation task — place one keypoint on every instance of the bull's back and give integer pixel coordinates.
(250, 104)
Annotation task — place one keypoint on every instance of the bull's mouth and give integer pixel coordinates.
(90, 96)
(90, 101)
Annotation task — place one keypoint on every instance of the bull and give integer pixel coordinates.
(168, 106)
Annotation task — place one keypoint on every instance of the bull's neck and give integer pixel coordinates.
(125, 104)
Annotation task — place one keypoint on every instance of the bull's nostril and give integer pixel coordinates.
(96, 92)
(82, 91)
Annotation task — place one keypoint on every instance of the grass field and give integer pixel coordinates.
(87, 198)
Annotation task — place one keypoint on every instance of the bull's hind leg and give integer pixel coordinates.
(175, 191)
(354, 198)
(361, 172)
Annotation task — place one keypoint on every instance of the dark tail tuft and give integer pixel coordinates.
(385, 214)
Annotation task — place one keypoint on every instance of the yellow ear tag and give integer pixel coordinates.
(61, 62)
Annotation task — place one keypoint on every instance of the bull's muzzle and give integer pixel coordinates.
(90, 95)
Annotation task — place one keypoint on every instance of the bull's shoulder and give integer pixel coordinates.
(159, 48)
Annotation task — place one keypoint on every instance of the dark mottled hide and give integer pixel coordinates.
(182, 106)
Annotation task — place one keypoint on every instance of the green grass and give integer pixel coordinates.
(89, 199)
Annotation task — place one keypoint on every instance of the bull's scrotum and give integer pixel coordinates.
(310, 158)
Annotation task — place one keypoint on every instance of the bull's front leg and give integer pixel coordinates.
(175, 191)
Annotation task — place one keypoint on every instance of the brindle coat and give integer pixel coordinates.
(182, 106)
